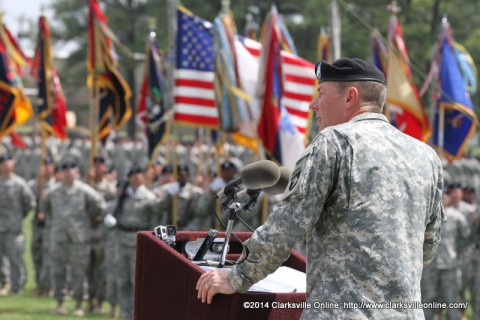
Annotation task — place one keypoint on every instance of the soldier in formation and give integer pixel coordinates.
(70, 208)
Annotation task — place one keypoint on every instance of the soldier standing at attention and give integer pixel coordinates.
(16, 201)
(96, 268)
(191, 213)
(39, 244)
(133, 212)
(70, 207)
(440, 281)
(364, 196)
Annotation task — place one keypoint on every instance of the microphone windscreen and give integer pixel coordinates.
(282, 183)
(260, 174)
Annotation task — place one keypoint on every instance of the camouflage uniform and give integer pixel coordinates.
(122, 158)
(135, 213)
(440, 281)
(111, 277)
(96, 269)
(367, 198)
(4, 274)
(467, 255)
(191, 213)
(70, 212)
(39, 242)
(16, 200)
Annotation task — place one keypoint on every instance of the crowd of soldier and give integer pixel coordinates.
(76, 249)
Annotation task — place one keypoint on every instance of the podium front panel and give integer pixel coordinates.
(165, 283)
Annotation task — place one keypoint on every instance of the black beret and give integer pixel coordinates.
(347, 70)
(135, 169)
(455, 185)
(227, 165)
(5, 156)
(167, 169)
(69, 165)
(98, 159)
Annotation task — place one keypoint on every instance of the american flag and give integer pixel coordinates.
(194, 76)
(298, 84)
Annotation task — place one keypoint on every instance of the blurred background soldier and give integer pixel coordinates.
(189, 203)
(96, 267)
(16, 200)
(440, 281)
(122, 156)
(71, 206)
(133, 211)
(466, 259)
(228, 172)
(154, 172)
(4, 276)
(112, 289)
(39, 245)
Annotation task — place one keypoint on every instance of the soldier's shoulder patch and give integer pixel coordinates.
(295, 184)
(295, 177)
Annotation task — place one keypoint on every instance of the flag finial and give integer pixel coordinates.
(152, 26)
(225, 6)
(394, 8)
(445, 21)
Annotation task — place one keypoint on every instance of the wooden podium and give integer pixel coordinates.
(165, 284)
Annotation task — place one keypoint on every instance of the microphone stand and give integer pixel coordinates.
(233, 211)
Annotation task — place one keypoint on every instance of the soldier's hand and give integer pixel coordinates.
(40, 217)
(213, 282)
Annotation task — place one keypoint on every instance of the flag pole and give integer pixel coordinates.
(48, 101)
(175, 177)
(94, 107)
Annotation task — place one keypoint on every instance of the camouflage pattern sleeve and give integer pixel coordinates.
(95, 204)
(292, 219)
(433, 229)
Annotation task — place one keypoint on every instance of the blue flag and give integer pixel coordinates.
(151, 108)
(459, 118)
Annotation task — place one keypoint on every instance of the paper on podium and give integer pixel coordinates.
(284, 280)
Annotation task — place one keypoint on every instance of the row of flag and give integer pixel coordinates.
(258, 91)
(454, 77)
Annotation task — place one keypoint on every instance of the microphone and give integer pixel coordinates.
(277, 188)
(282, 183)
(257, 175)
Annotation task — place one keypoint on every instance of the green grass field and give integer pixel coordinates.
(27, 305)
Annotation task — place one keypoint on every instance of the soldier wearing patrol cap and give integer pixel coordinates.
(39, 243)
(191, 213)
(365, 196)
(70, 207)
(16, 200)
(133, 211)
(96, 268)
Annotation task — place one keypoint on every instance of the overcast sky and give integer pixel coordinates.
(15, 10)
